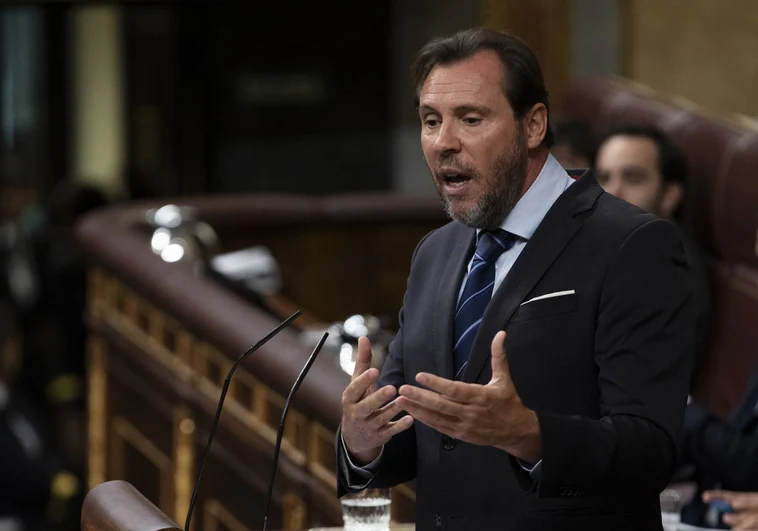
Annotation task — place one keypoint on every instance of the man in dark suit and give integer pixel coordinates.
(577, 427)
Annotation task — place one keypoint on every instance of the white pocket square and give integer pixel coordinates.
(550, 296)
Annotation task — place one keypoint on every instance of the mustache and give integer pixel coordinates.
(452, 162)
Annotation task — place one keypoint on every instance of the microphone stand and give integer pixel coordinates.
(280, 432)
(228, 380)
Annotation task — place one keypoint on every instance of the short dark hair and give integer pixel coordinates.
(672, 163)
(522, 84)
(577, 134)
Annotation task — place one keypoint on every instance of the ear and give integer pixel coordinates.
(672, 196)
(536, 125)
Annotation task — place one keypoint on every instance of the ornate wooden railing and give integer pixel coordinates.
(163, 338)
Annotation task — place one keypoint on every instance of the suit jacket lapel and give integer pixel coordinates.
(447, 299)
(553, 234)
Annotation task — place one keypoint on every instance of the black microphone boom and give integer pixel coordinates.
(280, 432)
(214, 427)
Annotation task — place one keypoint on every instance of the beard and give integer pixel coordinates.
(502, 189)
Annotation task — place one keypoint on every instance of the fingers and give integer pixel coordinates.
(500, 370)
(359, 387)
(362, 358)
(738, 500)
(384, 415)
(723, 495)
(430, 400)
(459, 391)
(393, 428)
(374, 401)
(431, 417)
(711, 495)
(742, 521)
(745, 501)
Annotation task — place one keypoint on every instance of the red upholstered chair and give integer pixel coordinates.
(721, 210)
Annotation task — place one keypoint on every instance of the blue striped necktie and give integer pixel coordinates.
(477, 292)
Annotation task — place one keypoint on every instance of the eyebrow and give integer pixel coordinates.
(634, 170)
(459, 110)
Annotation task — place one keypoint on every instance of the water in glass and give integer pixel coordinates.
(368, 511)
(670, 521)
(671, 509)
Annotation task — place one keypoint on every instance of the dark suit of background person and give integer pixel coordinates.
(722, 454)
(607, 370)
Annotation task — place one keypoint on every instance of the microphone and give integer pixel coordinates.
(228, 380)
(280, 431)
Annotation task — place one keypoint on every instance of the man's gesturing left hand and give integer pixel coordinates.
(491, 415)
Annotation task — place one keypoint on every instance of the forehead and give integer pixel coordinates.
(473, 80)
(621, 150)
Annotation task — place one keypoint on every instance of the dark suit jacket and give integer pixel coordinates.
(722, 452)
(607, 371)
(702, 285)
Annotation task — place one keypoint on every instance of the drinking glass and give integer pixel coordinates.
(671, 506)
(368, 510)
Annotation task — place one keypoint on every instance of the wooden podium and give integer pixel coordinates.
(162, 338)
(118, 506)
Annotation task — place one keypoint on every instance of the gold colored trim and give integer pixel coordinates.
(131, 304)
(294, 512)
(184, 461)
(296, 431)
(317, 440)
(405, 491)
(260, 403)
(124, 431)
(156, 324)
(97, 406)
(215, 513)
(256, 407)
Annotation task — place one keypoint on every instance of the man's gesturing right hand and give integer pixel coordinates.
(366, 416)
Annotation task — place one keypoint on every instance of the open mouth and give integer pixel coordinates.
(453, 179)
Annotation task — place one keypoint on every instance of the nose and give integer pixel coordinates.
(448, 140)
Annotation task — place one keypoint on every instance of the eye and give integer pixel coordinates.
(635, 179)
(431, 122)
(470, 120)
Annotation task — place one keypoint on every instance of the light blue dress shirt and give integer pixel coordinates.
(522, 221)
(528, 213)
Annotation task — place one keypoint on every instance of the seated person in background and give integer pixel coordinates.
(574, 146)
(720, 453)
(642, 166)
